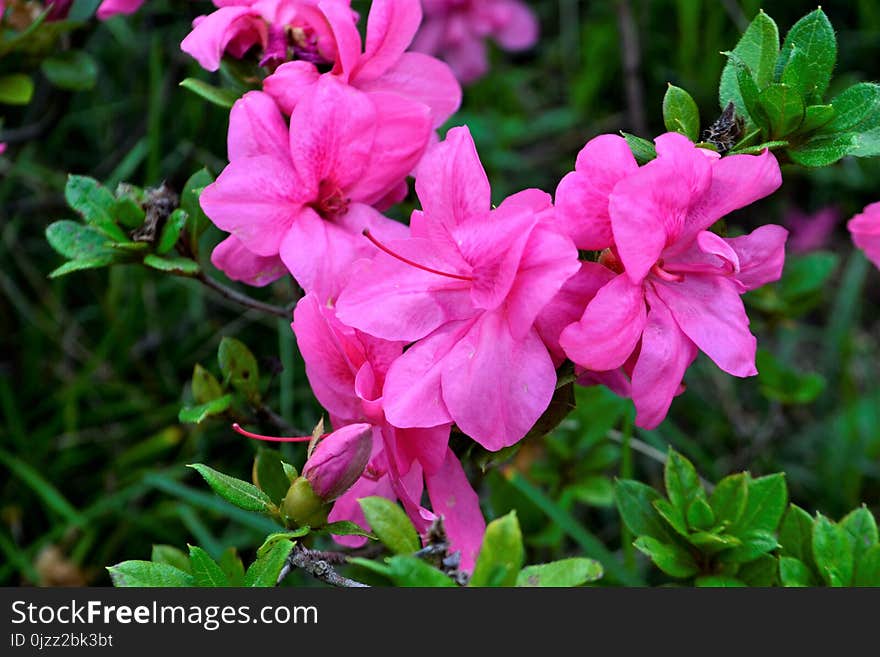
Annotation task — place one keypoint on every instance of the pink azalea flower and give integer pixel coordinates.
(383, 67)
(281, 29)
(810, 232)
(865, 230)
(457, 30)
(466, 288)
(679, 285)
(347, 371)
(305, 192)
(110, 8)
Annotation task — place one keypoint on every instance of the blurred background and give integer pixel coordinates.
(95, 366)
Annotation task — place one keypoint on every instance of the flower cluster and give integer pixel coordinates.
(460, 319)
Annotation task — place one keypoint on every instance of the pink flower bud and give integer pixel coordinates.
(339, 460)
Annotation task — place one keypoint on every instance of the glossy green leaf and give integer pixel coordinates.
(205, 386)
(563, 573)
(76, 241)
(728, 500)
(240, 493)
(171, 231)
(205, 571)
(271, 477)
(763, 571)
(796, 534)
(264, 572)
(239, 367)
(198, 414)
(16, 89)
(718, 581)
(171, 556)
(408, 571)
(232, 567)
(758, 49)
(347, 528)
(856, 109)
(501, 555)
(795, 573)
(635, 503)
(390, 524)
(868, 568)
(80, 264)
(755, 542)
(221, 97)
(680, 113)
(95, 204)
(767, 499)
(671, 559)
(682, 482)
(832, 552)
(700, 514)
(823, 150)
(814, 37)
(142, 574)
(178, 266)
(642, 149)
(815, 117)
(128, 212)
(861, 527)
(674, 516)
(784, 108)
(189, 203)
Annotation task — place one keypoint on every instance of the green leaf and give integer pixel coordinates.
(16, 89)
(240, 493)
(390, 524)
(832, 552)
(755, 542)
(757, 149)
(171, 231)
(221, 97)
(635, 505)
(78, 242)
(198, 414)
(239, 367)
(501, 555)
(862, 530)
(806, 275)
(128, 212)
(795, 573)
(347, 528)
(814, 38)
(79, 265)
(205, 571)
(270, 474)
(784, 108)
(672, 515)
(642, 149)
(74, 70)
(272, 540)
(713, 543)
(205, 386)
(728, 500)
(680, 113)
(563, 573)
(189, 203)
(682, 483)
(749, 93)
(95, 204)
(232, 567)
(171, 556)
(784, 384)
(766, 502)
(816, 116)
(264, 572)
(178, 266)
(700, 514)
(758, 49)
(763, 571)
(868, 568)
(856, 109)
(718, 581)
(148, 574)
(408, 571)
(671, 559)
(796, 534)
(823, 150)
(594, 490)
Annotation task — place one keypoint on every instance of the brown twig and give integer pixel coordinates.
(631, 55)
(243, 299)
(318, 566)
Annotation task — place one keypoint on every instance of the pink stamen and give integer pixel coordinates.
(271, 439)
(664, 275)
(384, 248)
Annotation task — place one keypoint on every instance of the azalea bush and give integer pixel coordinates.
(411, 323)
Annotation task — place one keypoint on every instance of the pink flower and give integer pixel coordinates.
(810, 232)
(110, 8)
(679, 285)
(382, 68)
(305, 193)
(456, 31)
(339, 460)
(865, 230)
(466, 288)
(281, 28)
(347, 371)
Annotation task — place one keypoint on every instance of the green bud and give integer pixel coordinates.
(302, 506)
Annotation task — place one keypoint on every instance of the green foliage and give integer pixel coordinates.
(680, 113)
(240, 493)
(390, 524)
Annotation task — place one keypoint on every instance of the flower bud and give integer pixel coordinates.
(301, 506)
(339, 460)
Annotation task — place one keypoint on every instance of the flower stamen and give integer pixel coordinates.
(272, 439)
(384, 248)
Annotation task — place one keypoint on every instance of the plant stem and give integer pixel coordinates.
(318, 566)
(242, 299)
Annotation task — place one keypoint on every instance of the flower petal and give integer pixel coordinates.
(211, 34)
(610, 327)
(865, 231)
(290, 83)
(391, 26)
(240, 264)
(710, 312)
(665, 355)
(495, 386)
(519, 29)
(348, 40)
(256, 127)
(761, 255)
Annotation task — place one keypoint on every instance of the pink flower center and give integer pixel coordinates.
(331, 201)
(664, 275)
(412, 263)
